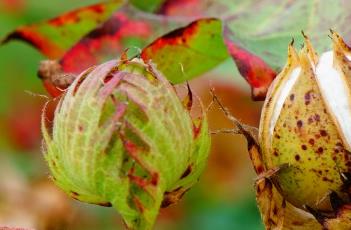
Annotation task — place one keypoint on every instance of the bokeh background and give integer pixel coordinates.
(223, 199)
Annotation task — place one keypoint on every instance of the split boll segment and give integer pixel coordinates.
(305, 131)
(122, 137)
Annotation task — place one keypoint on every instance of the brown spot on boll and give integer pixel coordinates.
(299, 123)
(304, 147)
(310, 120)
(317, 117)
(259, 169)
(297, 157)
(320, 150)
(275, 210)
(323, 133)
(326, 179)
(292, 97)
(311, 141)
(307, 98)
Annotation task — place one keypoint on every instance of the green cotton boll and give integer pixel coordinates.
(122, 137)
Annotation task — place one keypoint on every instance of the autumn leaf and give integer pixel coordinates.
(255, 71)
(184, 8)
(189, 51)
(126, 29)
(186, 49)
(13, 6)
(260, 30)
(105, 42)
(55, 36)
(257, 35)
(181, 8)
(180, 55)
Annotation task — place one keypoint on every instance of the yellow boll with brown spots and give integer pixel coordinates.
(305, 128)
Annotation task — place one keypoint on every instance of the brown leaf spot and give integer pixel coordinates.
(173, 197)
(138, 204)
(155, 178)
(187, 172)
(74, 195)
(105, 204)
(197, 125)
(139, 181)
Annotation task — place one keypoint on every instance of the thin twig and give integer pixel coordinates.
(239, 128)
(230, 131)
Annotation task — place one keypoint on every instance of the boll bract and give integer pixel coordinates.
(122, 137)
(304, 141)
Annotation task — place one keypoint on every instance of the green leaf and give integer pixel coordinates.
(266, 27)
(55, 36)
(189, 51)
(148, 5)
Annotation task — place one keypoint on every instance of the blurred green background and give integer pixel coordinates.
(223, 199)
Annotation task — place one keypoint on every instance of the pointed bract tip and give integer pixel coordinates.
(339, 43)
(308, 50)
(292, 54)
(124, 55)
(292, 41)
